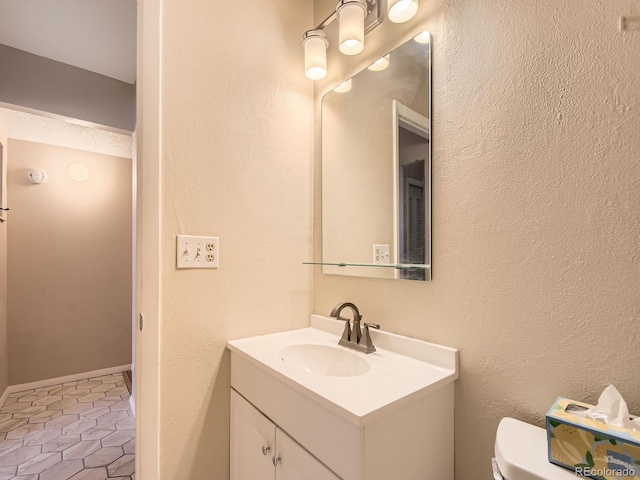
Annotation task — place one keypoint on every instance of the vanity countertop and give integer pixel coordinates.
(401, 371)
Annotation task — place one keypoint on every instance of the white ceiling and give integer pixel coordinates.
(97, 35)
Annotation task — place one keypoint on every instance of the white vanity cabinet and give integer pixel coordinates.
(262, 451)
(390, 418)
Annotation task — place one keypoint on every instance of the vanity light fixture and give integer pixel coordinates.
(401, 11)
(381, 64)
(315, 54)
(356, 18)
(423, 37)
(344, 87)
(351, 15)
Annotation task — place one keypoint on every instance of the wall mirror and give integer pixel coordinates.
(376, 168)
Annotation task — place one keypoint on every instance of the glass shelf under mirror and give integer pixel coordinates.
(399, 266)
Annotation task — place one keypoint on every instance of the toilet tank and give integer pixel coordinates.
(521, 453)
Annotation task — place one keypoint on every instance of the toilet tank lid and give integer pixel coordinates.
(521, 453)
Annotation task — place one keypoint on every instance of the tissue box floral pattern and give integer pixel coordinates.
(590, 448)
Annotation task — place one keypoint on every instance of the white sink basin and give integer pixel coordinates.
(357, 386)
(325, 360)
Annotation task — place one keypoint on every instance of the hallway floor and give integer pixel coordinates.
(81, 430)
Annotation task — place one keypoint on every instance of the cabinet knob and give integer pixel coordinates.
(275, 460)
(265, 449)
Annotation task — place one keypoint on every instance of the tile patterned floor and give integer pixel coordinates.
(80, 430)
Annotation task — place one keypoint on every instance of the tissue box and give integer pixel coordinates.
(592, 449)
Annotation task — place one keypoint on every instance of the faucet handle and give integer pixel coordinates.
(346, 334)
(366, 341)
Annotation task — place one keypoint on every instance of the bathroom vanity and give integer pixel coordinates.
(303, 407)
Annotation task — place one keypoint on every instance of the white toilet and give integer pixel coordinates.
(521, 454)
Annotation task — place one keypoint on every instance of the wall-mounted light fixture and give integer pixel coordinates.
(78, 172)
(356, 18)
(344, 87)
(381, 64)
(401, 11)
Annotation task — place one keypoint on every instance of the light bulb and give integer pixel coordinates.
(423, 37)
(381, 64)
(351, 15)
(344, 87)
(401, 11)
(315, 54)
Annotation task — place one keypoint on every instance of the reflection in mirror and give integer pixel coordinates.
(376, 169)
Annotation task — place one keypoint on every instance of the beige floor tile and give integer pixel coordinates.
(25, 431)
(91, 397)
(103, 457)
(126, 423)
(19, 456)
(30, 397)
(124, 466)
(9, 401)
(129, 447)
(103, 387)
(7, 446)
(26, 477)
(118, 438)
(42, 437)
(62, 404)
(29, 411)
(62, 421)
(44, 417)
(12, 424)
(81, 450)
(121, 405)
(20, 394)
(78, 408)
(47, 400)
(63, 390)
(112, 418)
(79, 426)
(7, 473)
(40, 463)
(61, 443)
(107, 401)
(91, 474)
(118, 391)
(5, 416)
(15, 407)
(98, 432)
(62, 470)
(77, 394)
(94, 412)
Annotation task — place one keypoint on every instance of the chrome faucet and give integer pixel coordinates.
(353, 337)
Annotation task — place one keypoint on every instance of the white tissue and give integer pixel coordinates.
(612, 409)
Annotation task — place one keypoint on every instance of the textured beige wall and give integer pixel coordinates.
(236, 163)
(536, 212)
(69, 270)
(4, 351)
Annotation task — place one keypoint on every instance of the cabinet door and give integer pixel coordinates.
(295, 463)
(251, 432)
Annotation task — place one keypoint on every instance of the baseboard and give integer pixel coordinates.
(66, 379)
(4, 396)
(132, 404)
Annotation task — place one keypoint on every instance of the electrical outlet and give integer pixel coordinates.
(380, 254)
(197, 252)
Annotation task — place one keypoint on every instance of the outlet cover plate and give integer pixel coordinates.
(197, 252)
(380, 254)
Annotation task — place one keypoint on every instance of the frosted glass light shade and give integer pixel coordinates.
(381, 64)
(423, 37)
(344, 87)
(78, 172)
(351, 15)
(315, 54)
(401, 11)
